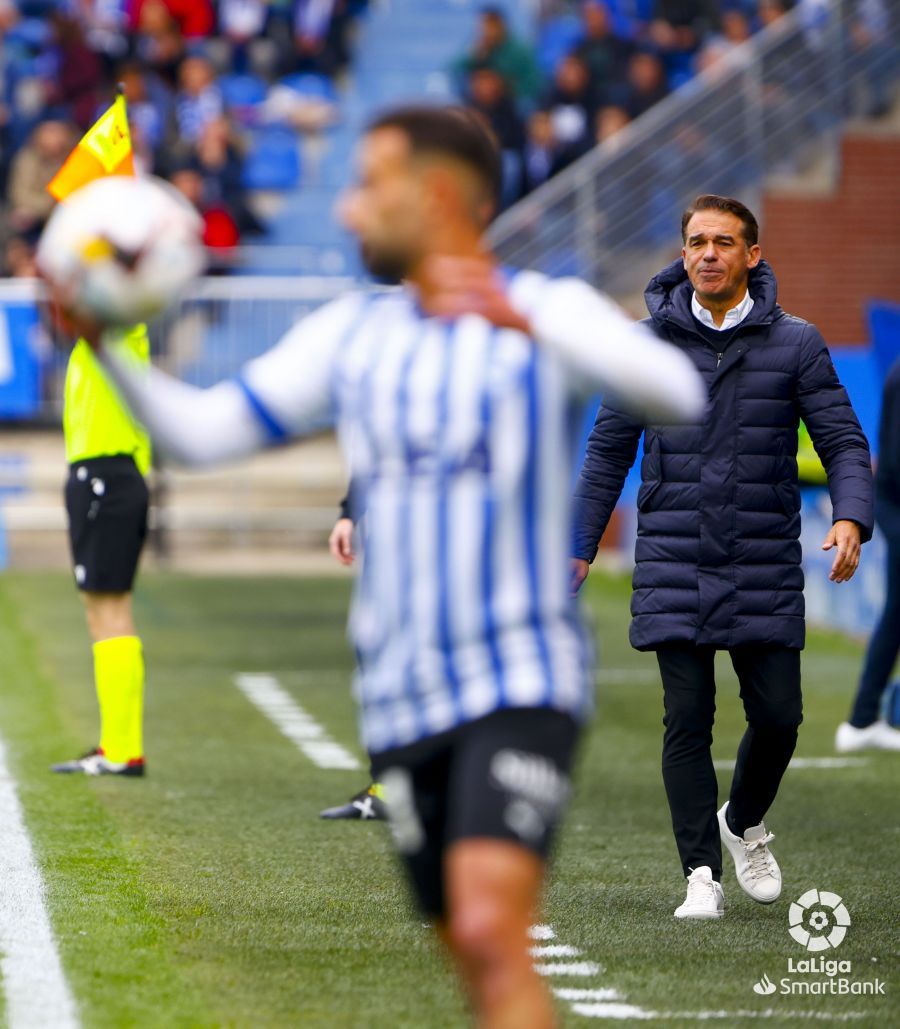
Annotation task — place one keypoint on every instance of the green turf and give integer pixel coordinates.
(209, 893)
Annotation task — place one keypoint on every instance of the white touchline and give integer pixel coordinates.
(541, 932)
(577, 968)
(573, 993)
(555, 950)
(630, 1012)
(37, 994)
(809, 762)
(613, 1010)
(297, 725)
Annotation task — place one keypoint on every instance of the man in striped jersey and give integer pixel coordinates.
(455, 397)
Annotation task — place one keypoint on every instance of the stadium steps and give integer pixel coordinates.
(272, 511)
(403, 50)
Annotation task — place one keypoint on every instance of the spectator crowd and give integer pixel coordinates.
(218, 90)
(204, 82)
(596, 66)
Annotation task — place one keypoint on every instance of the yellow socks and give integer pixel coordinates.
(119, 675)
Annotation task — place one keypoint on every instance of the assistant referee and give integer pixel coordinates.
(108, 453)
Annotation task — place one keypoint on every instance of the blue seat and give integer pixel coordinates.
(309, 84)
(273, 161)
(242, 90)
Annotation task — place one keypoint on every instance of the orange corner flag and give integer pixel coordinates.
(105, 149)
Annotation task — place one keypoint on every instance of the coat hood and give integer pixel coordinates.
(668, 295)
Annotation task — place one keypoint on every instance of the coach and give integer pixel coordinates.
(718, 553)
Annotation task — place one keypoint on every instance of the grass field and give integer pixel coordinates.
(210, 894)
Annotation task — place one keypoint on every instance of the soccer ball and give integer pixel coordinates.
(120, 250)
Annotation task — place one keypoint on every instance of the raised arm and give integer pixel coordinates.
(607, 351)
(284, 393)
(603, 350)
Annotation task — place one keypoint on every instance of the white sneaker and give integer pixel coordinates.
(877, 736)
(757, 870)
(705, 898)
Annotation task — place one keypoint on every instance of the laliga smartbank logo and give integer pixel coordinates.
(818, 921)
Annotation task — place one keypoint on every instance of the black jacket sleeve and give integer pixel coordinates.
(611, 450)
(842, 447)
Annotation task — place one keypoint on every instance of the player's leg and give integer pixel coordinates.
(770, 690)
(689, 697)
(118, 675)
(865, 729)
(493, 887)
(508, 788)
(106, 500)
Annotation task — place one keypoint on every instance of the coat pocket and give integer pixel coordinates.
(788, 498)
(646, 494)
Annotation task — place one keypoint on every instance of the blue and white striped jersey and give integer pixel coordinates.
(462, 436)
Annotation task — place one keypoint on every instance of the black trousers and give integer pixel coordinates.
(769, 679)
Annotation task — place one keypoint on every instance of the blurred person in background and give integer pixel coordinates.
(369, 803)
(321, 36)
(220, 160)
(73, 88)
(149, 112)
(31, 170)
(159, 43)
(105, 27)
(734, 31)
(606, 54)
(198, 100)
(195, 19)
(496, 47)
(644, 87)
(488, 95)
(19, 258)
(220, 230)
(542, 155)
(866, 729)
(610, 120)
(677, 28)
(572, 103)
(717, 560)
(871, 54)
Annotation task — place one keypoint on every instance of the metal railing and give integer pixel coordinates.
(219, 324)
(773, 105)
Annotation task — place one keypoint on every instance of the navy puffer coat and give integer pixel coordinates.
(718, 551)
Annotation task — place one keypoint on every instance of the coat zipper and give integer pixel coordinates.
(718, 360)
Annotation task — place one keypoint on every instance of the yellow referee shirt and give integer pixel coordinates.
(96, 423)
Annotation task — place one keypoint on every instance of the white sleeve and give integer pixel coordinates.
(604, 350)
(287, 391)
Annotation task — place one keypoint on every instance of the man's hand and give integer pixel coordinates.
(844, 535)
(66, 322)
(578, 572)
(340, 542)
(455, 286)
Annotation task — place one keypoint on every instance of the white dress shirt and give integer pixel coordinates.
(732, 318)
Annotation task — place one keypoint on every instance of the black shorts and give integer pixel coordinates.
(106, 501)
(505, 776)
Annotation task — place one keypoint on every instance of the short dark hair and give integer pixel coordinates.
(712, 202)
(452, 130)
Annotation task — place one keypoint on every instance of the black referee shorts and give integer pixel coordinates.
(505, 777)
(106, 501)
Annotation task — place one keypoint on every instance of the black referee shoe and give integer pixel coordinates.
(368, 803)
